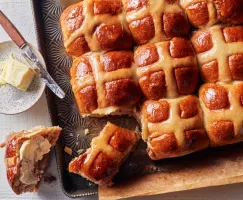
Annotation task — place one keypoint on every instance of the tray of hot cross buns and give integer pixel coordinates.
(154, 94)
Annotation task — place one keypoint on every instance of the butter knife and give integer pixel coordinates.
(29, 54)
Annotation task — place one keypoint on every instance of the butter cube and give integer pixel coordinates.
(18, 74)
(2, 76)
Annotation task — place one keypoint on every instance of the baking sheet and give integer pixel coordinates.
(212, 167)
(139, 175)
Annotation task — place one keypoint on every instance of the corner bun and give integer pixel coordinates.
(93, 25)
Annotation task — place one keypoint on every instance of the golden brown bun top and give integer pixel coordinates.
(107, 6)
(203, 13)
(214, 96)
(155, 21)
(223, 111)
(219, 53)
(202, 40)
(166, 69)
(173, 127)
(178, 48)
(103, 80)
(95, 25)
(72, 19)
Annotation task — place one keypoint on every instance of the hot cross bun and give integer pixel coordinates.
(222, 105)
(155, 20)
(26, 156)
(202, 13)
(101, 162)
(173, 127)
(95, 25)
(166, 69)
(220, 53)
(105, 83)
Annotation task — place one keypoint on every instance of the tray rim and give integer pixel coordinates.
(50, 97)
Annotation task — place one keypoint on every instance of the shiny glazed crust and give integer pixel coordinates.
(155, 20)
(173, 127)
(166, 69)
(112, 83)
(220, 53)
(101, 162)
(104, 84)
(95, 25)
(222, 105)
(202, 13)
(12, 160)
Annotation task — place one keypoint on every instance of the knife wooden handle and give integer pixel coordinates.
(11, 30)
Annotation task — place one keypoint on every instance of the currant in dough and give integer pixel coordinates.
(222, 105)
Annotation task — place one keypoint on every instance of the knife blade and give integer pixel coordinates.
(29, 54)
(45, 76)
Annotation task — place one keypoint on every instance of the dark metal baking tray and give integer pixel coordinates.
(65, 113)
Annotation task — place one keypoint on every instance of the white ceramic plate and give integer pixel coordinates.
(12, 100)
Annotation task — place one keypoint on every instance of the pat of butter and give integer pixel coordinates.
(17, 74)
(31, 152)
(2, 76)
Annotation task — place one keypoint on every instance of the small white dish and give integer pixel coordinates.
(12, 100)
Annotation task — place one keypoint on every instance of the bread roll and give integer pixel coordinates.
(203, 13)
(26, 157)
(95, 25)
(220, 53)
(153, 21)
(101, 162)
(173, 127)
(105, 84)
(166, 69)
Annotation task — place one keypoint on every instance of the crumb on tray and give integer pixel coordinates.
(86, 131)
(68, 150)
